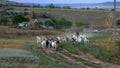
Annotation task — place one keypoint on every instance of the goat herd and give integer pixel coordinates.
(54, 42)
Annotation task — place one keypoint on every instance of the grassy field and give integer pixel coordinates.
(16, 52)
(87, 16)
(18, 42)
(14, 43)
(8, 32)
(100, 46)
(25, 57)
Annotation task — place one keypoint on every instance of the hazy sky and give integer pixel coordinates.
(62, 1)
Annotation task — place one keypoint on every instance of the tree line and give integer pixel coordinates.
(19, 18)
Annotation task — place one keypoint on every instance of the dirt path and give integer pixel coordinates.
(69, 59)
(92, 59)
(89, 57)
(85, 60)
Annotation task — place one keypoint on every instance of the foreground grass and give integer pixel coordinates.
(26, 58)
(98, 52)
(49, 62)
(17, 58)
(101, 46)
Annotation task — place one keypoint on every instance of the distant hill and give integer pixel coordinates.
(75, 5)
(108, 4)
(10, 3)
(83, 5)
(6, 2)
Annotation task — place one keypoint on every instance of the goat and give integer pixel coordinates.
(86, 40)
(38, 39)
(43, 43)
(55, 44)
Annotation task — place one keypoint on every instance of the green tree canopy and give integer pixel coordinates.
(4, 20)
(51, 6)
(49, 23)
(19, 18)
(38, 24)
(62, 23)
(79, 24)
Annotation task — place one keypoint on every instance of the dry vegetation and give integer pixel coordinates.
(107, 43)
(7, 32)
(14, 43)
(87, 16)
(74, 15)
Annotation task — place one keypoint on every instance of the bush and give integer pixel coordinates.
(4, 20)
(45, 15)
(49, 23)
(69, 47)
(99, 52)
(19, 18)
(58, 24)
(62, 23)
(65, 23)
(79, 24)
(38, 24)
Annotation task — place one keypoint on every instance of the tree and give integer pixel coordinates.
(62, 23)
(67, 7)
(49, 23)
(34, 15)
(79, 24)
(65, 23)
(4, 20)
(45, 15)
(51, 6)
(38, 24)
(18, 19)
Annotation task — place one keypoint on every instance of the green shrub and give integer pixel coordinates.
(79, 24)
(19, 18)
(49, 23)
(98, 51)
(4, 20)
(38, 24)
(69, 47)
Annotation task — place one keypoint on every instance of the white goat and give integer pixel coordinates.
(38, 39)
(79, 39)
(86, 40)
(54, 45)
(43, 43)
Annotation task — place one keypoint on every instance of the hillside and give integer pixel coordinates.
(74, 15)
(74, 5)
(6, 2)
(108, 4)
(93, 5)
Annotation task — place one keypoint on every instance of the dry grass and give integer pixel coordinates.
(7, 32)
(108, 44)
(104, 42)
(92, 16)
(14, 43)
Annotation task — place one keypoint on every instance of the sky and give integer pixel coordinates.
(61, 1)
